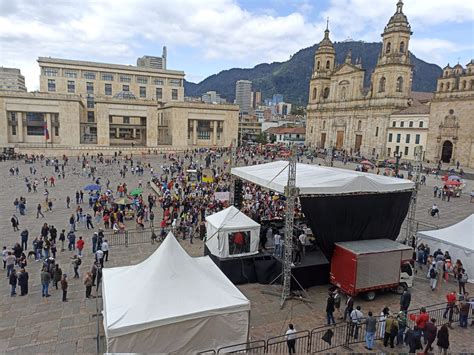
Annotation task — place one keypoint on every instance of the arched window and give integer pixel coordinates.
(318, 65)
(388, 48)
(328, 64)
(464, 85)
(402, 47)
(326, 93)
(315, 93)
(382, 84)
(343, 93)
(359, 125)
(399, 84)
(447, 86)
(441, 87)
(324, 124)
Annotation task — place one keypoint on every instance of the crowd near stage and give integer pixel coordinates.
(338, 205)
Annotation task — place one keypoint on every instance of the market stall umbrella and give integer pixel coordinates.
(454, 177)
(391, 161)
(92, 188)
(123, 201)
(367, 162)
(136, 192)
(452, 183)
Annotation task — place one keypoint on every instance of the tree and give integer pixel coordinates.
(261, 138)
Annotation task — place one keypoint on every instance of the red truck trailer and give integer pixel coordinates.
(367, 266)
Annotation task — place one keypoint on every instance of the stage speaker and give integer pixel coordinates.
(238, 193)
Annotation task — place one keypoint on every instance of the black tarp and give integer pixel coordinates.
(355, 217)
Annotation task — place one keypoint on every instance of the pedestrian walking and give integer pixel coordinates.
(80, 245)
(391, 331)
(64, 286)
(57, 275)
(15, 223)
(38, 211)
(88, 284)
(370, 329)
(405, 300)
(443, 339)
(45, 280)
(105, 249)
(76, 262)
(356, 318)
(23, 282)
(13, 280)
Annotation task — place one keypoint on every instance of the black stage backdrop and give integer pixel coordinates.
(355, 217)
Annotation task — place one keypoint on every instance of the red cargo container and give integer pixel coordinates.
(368, 265)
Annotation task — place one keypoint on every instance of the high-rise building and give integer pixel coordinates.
(153, 62)
(256, 99)
(243, 95)
(212, 97)
(11, 79)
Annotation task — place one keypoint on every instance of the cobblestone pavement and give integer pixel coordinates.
(47, 325)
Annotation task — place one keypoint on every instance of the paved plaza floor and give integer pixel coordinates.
(47, 325)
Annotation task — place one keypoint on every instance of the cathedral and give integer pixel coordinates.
(345, 115)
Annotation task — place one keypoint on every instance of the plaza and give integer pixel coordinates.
(47, 325)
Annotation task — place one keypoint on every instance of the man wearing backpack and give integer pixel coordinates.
(462, 279)
(433, 275)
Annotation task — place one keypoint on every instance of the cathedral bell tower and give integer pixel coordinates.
(392, 75)
(324, 64)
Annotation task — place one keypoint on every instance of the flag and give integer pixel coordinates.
(46, 132)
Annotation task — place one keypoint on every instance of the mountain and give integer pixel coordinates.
(291, 78)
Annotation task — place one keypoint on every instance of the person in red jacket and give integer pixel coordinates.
(421, 321)
(451, 298)
(80, 246)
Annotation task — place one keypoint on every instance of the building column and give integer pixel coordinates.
(103, 134)
(195, 124)
(214, 132)
(19, 128)
(50, 126)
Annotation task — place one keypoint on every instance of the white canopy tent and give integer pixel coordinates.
(313, 179)
(172, 303)
(226, 227)
(457, 239)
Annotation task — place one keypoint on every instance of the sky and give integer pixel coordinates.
(204, 37)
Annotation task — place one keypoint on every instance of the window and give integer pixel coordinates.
(399, 84)
(108, 89)
(125, 78)
(34, 130)
(107, 77)
(71, 86)
(311, 129)
(315, 93)
(394, 124)
(70, 73)
(402, 124)
(376, 131)
(343, 93)
(326, 93)
(204, 130)
(406, 151)
(410, 124)
(50, 72)
(56, 131)
(464, 85)
(159, 81)
(175, 82)
(447, 86)
(13, 130)
(399, 137)
(51, 85)
(143, 91)
(402, 47)
(126, 120)
(90, 102)
(389, 151)
(417, 139)
(397, 149)
(89, 75)
(328, 64)
(420, 124)
(388, 48)
(125, 88)
(441, 87)
(159, 93)
(359, 125)
(407, 269)
(382, 84)
(407, 139)
(318, 65)
(90, 116)
(174, 94)
(142, 80)
(90, 87)
(390, 137)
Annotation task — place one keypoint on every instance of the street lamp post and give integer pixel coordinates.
(397, 156)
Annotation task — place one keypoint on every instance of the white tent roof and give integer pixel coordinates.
(460, 234)
(168, 287)
(231, 218)
(313, 179)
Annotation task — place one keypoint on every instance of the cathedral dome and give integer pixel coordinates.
(398, 22)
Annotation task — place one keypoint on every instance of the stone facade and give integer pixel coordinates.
(345, 115)
(451, 132)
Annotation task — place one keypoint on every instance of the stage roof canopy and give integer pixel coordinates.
(314, 180)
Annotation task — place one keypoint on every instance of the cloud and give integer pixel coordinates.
(220, 31)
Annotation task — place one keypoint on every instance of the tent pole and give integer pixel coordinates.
(411, 229)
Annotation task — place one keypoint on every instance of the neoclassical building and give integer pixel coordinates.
(451, 130)
(344, 114)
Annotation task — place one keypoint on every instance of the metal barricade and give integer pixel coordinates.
(326, 338)
(279, 344)
(207, 352)
(252, 347)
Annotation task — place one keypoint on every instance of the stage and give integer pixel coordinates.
(264, 267)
